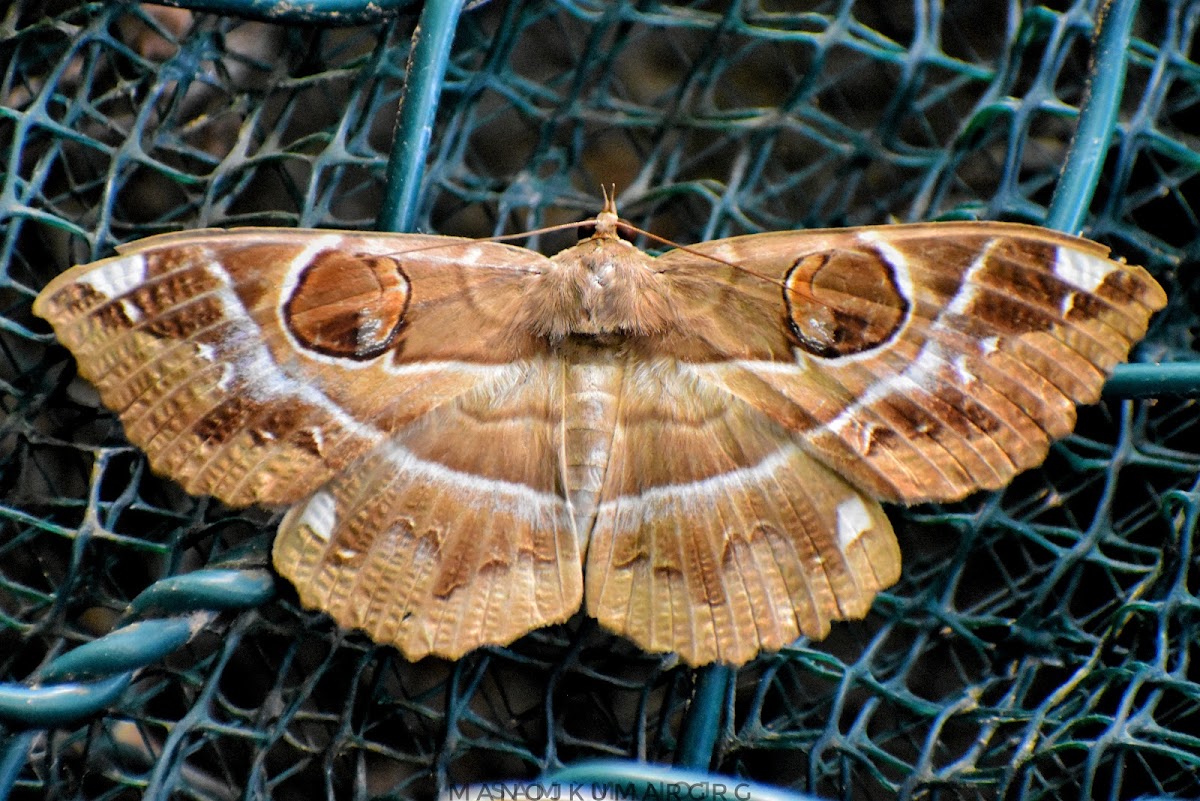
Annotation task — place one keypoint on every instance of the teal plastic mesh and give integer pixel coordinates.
(1040, 642)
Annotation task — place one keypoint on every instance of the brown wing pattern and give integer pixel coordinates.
(377, 377)
(464, 423)
(921, 362)
(716, 536)
(254, 365)
(453, 534)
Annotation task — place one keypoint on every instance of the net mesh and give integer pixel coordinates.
(1039, 644)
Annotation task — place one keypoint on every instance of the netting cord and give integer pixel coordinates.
(1097, 117)
(613, 778)
(1129, 381)
(424, 78)
(1086, 156)
(427, 60)
(310, 12)
(702, 724)
(93, 676)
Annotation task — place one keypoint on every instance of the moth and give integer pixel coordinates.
(474, 439)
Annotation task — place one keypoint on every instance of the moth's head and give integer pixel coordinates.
(602, 286)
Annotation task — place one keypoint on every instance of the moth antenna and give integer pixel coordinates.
(502, 237)
(546, 230)
(630, 228)
(606, 222)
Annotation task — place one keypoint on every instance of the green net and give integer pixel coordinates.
(1039, 644)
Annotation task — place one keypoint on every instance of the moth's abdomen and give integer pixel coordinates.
(589, 417)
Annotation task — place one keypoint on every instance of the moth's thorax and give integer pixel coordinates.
(601, 286)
